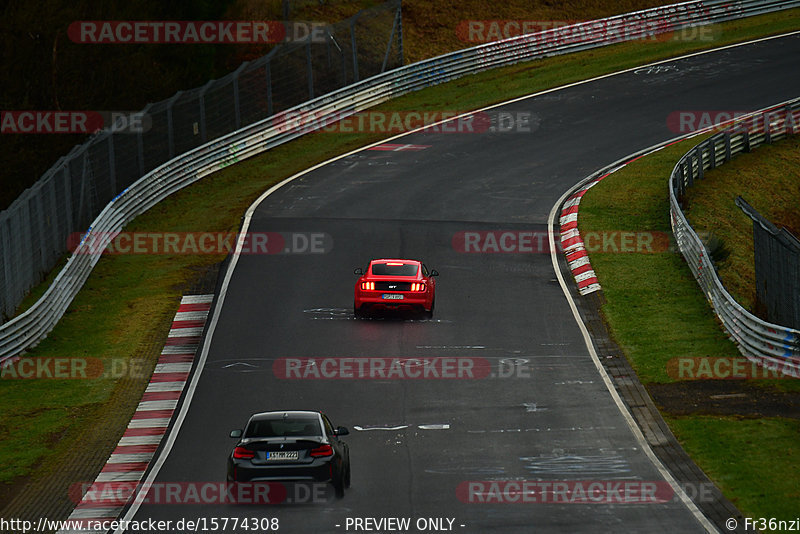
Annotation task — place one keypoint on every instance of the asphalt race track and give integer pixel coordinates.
(535, 407)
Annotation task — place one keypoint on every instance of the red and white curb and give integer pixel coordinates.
(572, 243)
(129, 461)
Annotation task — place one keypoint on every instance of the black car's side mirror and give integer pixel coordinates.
(358, 270)
(236, 433)
(341, 431)
(434, 272)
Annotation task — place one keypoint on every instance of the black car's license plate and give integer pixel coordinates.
(282, 455)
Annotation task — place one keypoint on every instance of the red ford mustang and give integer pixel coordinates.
(391, 284)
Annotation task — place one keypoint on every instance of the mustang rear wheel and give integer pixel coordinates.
(429, 313)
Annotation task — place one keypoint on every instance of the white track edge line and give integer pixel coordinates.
(192, 385)
(623, 409)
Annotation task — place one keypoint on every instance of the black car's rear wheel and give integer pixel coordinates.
(338, 486)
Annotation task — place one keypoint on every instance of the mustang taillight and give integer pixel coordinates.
(368, 286)
(417, 286)
(241, 452)
(323, 450)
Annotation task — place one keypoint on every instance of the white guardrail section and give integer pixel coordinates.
(27, 329)
(773, 346)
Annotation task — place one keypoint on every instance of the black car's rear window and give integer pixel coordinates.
(390, 269)
(284, 427)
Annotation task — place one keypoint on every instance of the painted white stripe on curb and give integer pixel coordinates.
(120, 476)
(156, 422)
(197, 299)
(193, 331)
(169, 368)
(160, 387)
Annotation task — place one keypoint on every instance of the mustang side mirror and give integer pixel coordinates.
(358, 270)
(434, 272)
(341, 431)
(236, 433)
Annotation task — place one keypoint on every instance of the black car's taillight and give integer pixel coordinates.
(322, 450)
(241, 452)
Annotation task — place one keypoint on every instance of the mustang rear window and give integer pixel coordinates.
(288, 427)
(388, 269)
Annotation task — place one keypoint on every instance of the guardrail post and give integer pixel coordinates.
(746, 141)
(727, 146)
(712, 153)
(767, 130)
(700, 162)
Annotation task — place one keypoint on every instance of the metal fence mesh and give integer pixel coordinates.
(777, 267)
(35, 229)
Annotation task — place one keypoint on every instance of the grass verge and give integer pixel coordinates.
(656, 313)
(769, 179)
(128, 300)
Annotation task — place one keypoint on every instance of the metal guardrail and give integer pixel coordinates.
(773, 346)
(29, 328)
(37, 227)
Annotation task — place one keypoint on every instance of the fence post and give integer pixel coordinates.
(170, 124)
(140, 144)
(68, 208)
(237, 115)
(39, 204)
(310, 68)
(268, 75)
(112, 170)
(400, 32)
(391, 40)
(354, 46)
(8, 268)
(202, 102)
